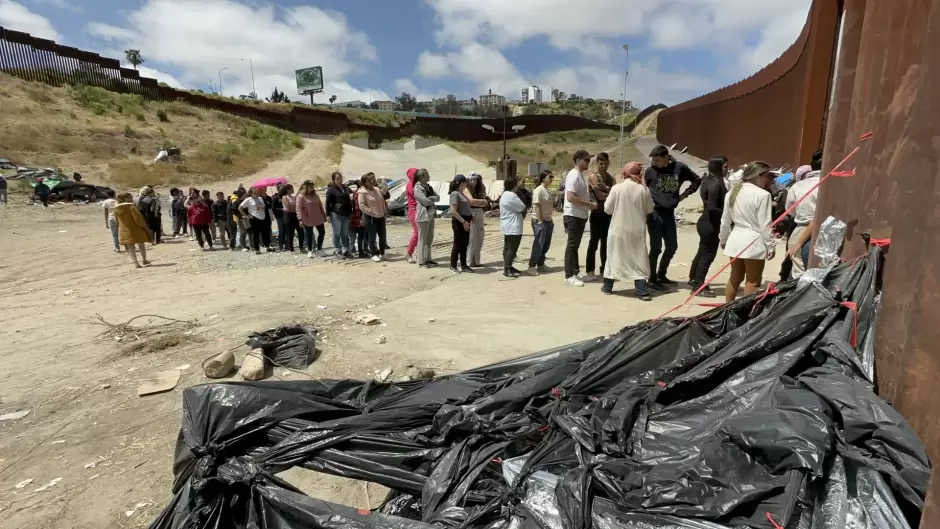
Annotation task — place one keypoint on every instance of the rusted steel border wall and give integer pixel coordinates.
(887, 83)
(45, 61)
(774, 115)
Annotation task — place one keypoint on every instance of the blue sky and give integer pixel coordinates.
(374, 50)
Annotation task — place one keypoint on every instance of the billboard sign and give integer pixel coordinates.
(309, 79)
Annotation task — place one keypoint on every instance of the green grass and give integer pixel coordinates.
(334, 151)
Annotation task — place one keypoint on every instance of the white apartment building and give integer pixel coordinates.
(491, 100)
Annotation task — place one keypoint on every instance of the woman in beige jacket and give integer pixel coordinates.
(374, 210)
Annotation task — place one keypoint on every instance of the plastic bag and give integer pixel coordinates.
(829, 241)
(289, 346)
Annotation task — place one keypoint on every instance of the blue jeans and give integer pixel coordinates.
(804, 254)
(113, 224)
(541, 242)
(661, 224)
(340, 232)
(640, 285)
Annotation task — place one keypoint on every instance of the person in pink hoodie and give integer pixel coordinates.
(412, 210)
(312, 215)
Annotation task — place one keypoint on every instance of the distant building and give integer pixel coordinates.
(491, 100)
(386, 105)
(532, 94)
(468, 104)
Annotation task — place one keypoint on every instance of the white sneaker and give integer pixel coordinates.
(574, 282)
(376, 259)
(532, 271)
(589, 278)
(245, 250)
(310, 255)
(410, 260)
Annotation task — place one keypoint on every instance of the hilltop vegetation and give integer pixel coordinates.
(113, 138)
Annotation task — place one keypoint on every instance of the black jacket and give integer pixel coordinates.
(220, 210)
(338, 201)
(664, 183)
(713, 192)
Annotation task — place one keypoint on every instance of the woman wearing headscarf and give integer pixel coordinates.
(745, 229)
(412, 210)
(713, 193)
(426, 200)
(628, 204)
(133, 230)
(476, 193)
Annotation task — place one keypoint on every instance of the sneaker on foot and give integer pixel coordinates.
(310, 255)
(658, 287)
(247, 250)
(466, 269)
(644, 297)
(589, 278)
(454, 270)
(668, 282)
(707, 293)
(532, 271)
(376, 259)
(573, 281)
(543, 269)
(409, 259)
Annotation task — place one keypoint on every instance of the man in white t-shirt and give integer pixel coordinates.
(577, 209)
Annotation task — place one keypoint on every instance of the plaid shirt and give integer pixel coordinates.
(356, 220)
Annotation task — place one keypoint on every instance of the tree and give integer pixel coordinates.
(423, 106)
(134, 57)
(332, 99)
(278, 97)
(406, 102)
(373, 105)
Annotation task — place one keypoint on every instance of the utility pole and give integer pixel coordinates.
(252, 67)
(220, 79)
(623, 103)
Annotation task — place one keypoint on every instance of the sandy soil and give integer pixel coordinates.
(112, 450)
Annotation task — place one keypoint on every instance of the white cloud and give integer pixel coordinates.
(18, 18)
(742, 36)
(202, 37)
(162, 77)
(62, 4)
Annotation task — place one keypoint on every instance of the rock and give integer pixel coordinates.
(420, 373)
(23, 483)
(381, 339)
(368, 319)
(221, 366)
(383, 375)
(403, 379)
(15, 416)
(253, 366)
(431, 320)
(322, 307)
(105, 386)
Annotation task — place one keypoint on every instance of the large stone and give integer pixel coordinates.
(220, 366)
(253, 366)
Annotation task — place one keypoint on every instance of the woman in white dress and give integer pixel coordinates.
(628, 204)
(745, 229)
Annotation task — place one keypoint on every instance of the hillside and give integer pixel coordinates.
(113, 138)
(553, 148)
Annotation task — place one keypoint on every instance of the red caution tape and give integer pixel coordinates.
(853, 341)
(773, 523)
(769, 291)
(835, 170)
(880, 242)
(843, 174)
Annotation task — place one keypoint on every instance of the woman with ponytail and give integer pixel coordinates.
(745, 229)
(713, 193)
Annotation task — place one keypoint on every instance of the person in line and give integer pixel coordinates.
(178, 213)
(511, 212)
(357, 228)
(804, 217)
(339, 206)
(426, 199)
(461, 217)
(578, 207)
(109, 219)
(42, 191)
(3, 190)
(268, 215)
(628, 203)
(713, 193)
(220, 219)
(253, 209)
(199, 213)
(476, 192)
(746, 217)
(542, 224)
(311, 214)
(133, 230)
(600, 183)
(374, 210)
(239, 224)
(289, 224)
(382, 184)
(277, 212)
(149, 206)
(785, 227)
(412, 211)
(664, 178)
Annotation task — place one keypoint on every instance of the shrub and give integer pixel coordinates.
(129, 132)
(161, 115)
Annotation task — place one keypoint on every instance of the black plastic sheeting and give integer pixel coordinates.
(760, 414)
(290, 346)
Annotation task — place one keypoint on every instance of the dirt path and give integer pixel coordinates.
(113, 450)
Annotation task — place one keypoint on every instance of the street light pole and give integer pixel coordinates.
(252, 67)
(623, 103)
(505, 111)
(220, 79)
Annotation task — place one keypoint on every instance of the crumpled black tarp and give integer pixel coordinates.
(290, 346)
(760, 413)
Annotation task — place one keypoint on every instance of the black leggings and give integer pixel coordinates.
(461, 241)
(600, 225)
(376, 228)
(510, 248)
(707, 250)
(203, 235)
(308, 238)
(291, 227)
(259, 235)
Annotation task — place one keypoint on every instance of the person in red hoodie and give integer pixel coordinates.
(199, 213)
(412, 210)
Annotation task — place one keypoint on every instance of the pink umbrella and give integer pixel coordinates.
(270, 182)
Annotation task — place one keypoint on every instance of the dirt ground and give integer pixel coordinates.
(109, 452)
